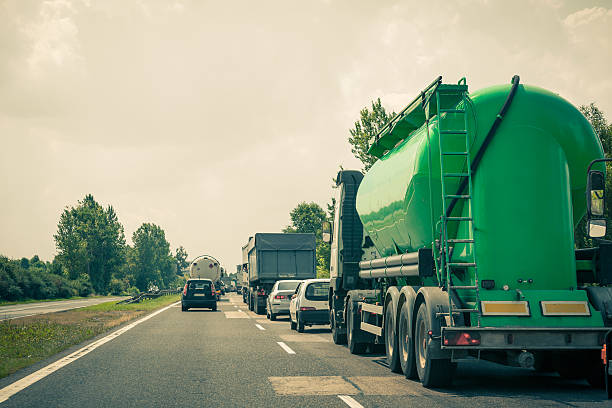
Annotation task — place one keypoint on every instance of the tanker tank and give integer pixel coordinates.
(205, 267)
(523, 212)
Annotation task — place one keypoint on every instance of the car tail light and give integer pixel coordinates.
(185, 290)
(262, 291)
(303, 308)
(212, 289)
(462, 339)
(280, 297)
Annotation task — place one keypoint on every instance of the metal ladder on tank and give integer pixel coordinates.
(456, 110)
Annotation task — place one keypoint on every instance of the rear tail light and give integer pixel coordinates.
(262, 291)
(462, 339)
(280, 297)
(185, 290)
(303, 308)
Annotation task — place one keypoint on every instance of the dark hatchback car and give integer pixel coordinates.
(199, 293)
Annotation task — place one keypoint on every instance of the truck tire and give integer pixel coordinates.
(391, 343)
(433, 373)
(300, 323)
(405, 344)
(339, 338)
(351, 326)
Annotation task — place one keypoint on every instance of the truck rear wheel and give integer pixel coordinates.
(337, 336)
(433, 373)
(354, 346)
(405, 344)
(391, 347)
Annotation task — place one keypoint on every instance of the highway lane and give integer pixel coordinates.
(29, 309)
(232, 358)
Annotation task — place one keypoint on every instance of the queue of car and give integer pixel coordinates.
(305, 302)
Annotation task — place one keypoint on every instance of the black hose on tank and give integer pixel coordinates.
(500, 116)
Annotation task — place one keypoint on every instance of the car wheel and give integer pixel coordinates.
(183, 308)
(214, 308)
(272, 315)
(293, 325)
(300, 323)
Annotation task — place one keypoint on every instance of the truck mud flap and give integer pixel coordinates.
(606, 356)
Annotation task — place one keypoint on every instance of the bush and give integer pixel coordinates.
(117, 286)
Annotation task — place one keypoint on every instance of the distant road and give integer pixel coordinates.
(30, 309)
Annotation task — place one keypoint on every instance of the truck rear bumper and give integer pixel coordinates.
(522, 338)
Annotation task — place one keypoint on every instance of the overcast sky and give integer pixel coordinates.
(213, 119)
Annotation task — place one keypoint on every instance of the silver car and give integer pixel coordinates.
(280, 297)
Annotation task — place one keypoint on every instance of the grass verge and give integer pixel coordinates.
(19, 302)
(28, 340)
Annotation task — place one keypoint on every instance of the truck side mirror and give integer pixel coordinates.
(326, 228)
(596, 192)
(596, 228)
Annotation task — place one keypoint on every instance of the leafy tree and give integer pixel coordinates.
(153, 263)
(90, 240)
(604, 130)
(309, 217)
(362, 135)
(181, 259)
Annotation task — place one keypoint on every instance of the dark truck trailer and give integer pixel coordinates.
(276, 256)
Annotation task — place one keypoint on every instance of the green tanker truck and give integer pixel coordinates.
(458, 243)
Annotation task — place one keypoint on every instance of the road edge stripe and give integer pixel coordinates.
(14, 388)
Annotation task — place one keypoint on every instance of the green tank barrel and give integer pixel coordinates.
(528, 190)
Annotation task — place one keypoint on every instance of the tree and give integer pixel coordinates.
(90, 240)
(309, 217)
(604, 130)
(181, 259)
(365, 129)
(153, 261)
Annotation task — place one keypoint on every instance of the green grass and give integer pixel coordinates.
(26, 341)
(146, 305)
(18, 302)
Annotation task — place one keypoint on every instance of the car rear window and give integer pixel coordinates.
(288, 285)
(317, 291)
(199, 285)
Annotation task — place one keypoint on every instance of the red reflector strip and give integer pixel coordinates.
(462, 339)
(306, 308)
(279, 297)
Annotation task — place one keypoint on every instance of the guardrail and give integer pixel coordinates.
(149, 295)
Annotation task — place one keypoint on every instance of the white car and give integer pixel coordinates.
(309, 304)
(279, 298)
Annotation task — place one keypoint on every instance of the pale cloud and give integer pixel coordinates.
(215, 124)
(54, 39)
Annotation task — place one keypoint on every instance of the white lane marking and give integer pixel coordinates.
(350, 401)
(235, 306)
(285, 347)
(14, 388)
(260, 327)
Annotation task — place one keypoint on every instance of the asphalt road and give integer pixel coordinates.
(29, 309)
(225, 359)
